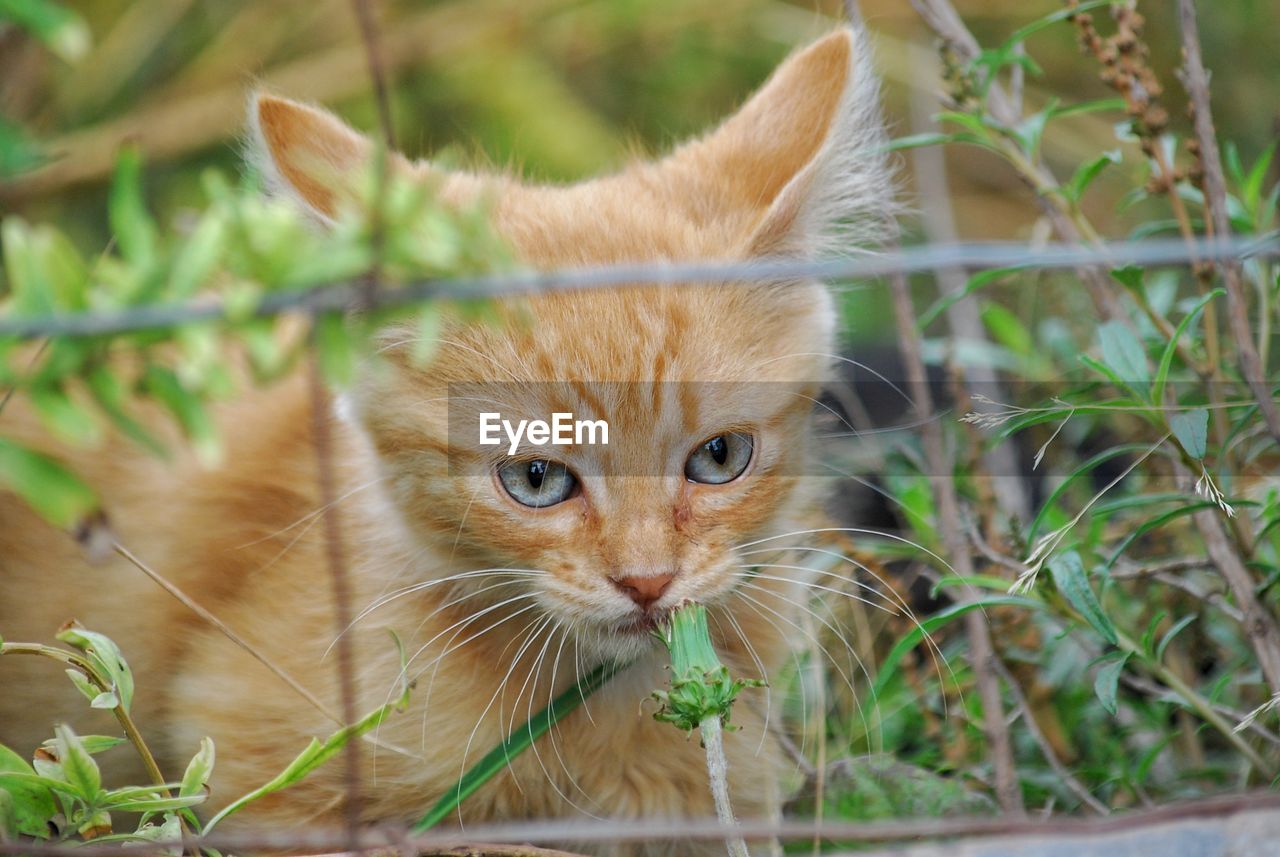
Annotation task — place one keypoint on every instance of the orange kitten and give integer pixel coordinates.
(505, 577)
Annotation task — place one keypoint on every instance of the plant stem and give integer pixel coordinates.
(717, 772)
(981, 647)
(1196, 81)
(1197, 702)
(122, 717)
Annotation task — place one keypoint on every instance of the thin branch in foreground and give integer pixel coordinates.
(224, 629)
(377, 67)
(982, 650)
(322, 443)
(1046, 749)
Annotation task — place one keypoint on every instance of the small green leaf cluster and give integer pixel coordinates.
(60, 794)
(701, 685)
(204, 286)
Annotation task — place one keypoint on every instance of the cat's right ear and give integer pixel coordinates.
(312, 156)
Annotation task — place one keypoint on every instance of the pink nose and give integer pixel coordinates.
(644, 591)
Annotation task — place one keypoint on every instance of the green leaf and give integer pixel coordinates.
(1191, 428)
(916, 141)
(1070, 579)
(64, 417)
(49, 488)
(12, 780)
(889, 666)
(86, 687)
(81, 770)
(1101, 457)
(1173, 632)
(199, 256)
(315, 754)
(1123, 353)
(1084, 175)
(1024, 32)
(977, 281)
(62, 31)
(31, 293)
(18, 151)
(336, 349)
(520, 739)
(31, 804)
(1251, 187)
(1152, 523)
(112, 397)
(1030, 131)
(1107, 680)
(106, 658)
(1007, 329)
(199, 769)
(95, 744)
(1166, 359)
(148, 799)
(1130, 276)
(1100, 105)
(189, 409)
(107, 700)
(131, 223)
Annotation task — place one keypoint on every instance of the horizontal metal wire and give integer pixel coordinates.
(908, 260)
(569, 832)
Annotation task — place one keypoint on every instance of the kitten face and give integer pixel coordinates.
(670, 371)
(707, 390)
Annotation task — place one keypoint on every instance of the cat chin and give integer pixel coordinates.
(622, 646)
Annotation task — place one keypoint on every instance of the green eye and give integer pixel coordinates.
(720, 459)
(538, 483)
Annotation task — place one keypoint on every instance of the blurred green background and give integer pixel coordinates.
(557, 89)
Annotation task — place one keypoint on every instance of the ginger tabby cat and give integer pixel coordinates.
(529, 574)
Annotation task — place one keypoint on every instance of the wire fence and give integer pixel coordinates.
(969, 256)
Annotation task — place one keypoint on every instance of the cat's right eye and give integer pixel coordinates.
(538, 482)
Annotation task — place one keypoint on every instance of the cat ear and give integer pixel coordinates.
(311, 155)
(801, 168)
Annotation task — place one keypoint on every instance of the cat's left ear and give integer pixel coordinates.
(311, 155)
(801, 169)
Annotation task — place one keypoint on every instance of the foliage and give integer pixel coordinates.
(60, 794)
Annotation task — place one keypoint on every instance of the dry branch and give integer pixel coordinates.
(1196, 81)
(981, 650)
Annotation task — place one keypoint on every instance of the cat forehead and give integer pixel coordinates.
(655, 333)
(617, 219)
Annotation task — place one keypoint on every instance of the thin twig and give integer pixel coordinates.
(1150, 688)
(1046, 749)
(322, 442)
(942, 17)
(1196, 81)
(377, 67)
(981, 649)
(226, 631)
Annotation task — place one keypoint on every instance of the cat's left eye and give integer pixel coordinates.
(538, 483)
(720, 459)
